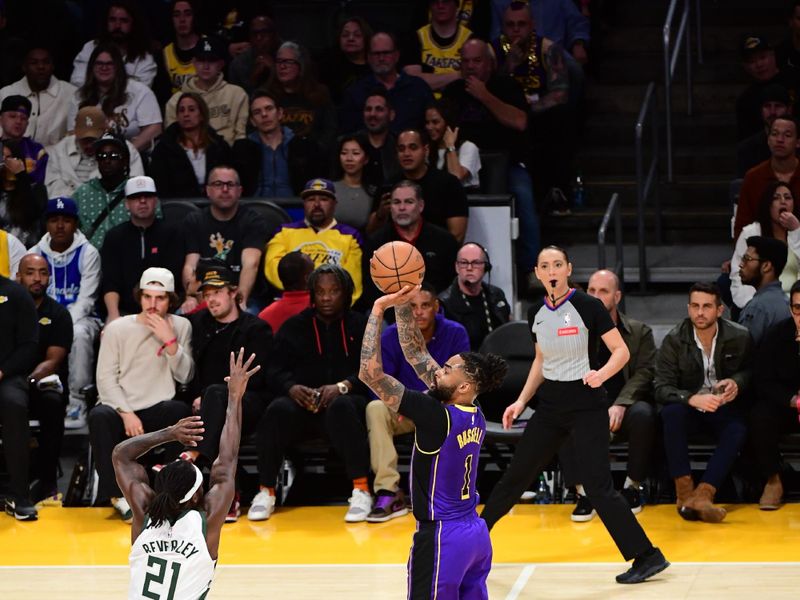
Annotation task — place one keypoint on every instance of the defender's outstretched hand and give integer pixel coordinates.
(239, 374)
(188, 430)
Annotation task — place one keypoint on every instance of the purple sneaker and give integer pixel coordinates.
(388, 506)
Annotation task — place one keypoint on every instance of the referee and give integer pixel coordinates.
(571, 400)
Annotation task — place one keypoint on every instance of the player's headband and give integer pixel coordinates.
(198, 481)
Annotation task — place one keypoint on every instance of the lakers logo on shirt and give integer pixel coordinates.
(3, 299)
(321, 253)
(44, 321)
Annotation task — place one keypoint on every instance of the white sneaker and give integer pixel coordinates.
(76, 416)
(360, 506)
(123, 508)
(262, 506)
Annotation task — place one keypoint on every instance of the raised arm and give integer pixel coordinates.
(386, 387)
(413, 345)
(131, 476)
(223, 471)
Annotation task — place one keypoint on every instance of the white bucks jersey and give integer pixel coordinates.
(171, 561)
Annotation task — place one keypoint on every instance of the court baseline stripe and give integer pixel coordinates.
(393, 565)
(521, 582)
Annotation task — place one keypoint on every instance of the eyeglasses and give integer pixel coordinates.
(287, 62)
(108, 156)
(104, 63)
(466, 264)
(747, 258)
(220, 185)
(795, 309)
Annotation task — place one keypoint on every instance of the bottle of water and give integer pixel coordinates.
(578, 192)
(543, 495)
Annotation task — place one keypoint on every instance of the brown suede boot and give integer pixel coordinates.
(684, 488)
(772, 497)
(702, 502)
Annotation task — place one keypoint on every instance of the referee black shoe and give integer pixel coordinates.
(584, 511)
(21, 510)
(644, 567)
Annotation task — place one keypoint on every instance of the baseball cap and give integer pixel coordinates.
(110, 138)
(217, 276)
(62, 205)
(319, 186)
(210, 48)
(753, 43)
(90, 123)
(16, 103)
(157, 279)
(142, 184)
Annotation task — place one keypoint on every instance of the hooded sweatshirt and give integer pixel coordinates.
(74, 274)
(228, 107)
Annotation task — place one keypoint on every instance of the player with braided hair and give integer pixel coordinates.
(452, 554)
(176, 528)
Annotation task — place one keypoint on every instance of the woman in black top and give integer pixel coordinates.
(572, 402)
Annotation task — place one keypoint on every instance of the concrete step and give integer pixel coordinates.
(616, 129)
(667, 264)
(616, 160)
(626, 98)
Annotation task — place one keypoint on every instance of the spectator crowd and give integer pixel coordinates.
(105, 292)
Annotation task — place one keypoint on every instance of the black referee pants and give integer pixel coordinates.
(570, 409)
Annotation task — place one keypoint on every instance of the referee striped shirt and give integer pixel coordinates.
(568, 334)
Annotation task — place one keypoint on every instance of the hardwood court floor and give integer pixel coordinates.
(311, 553)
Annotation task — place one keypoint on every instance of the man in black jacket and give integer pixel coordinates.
(20, 334)
(479, 306)
(777, 384)
(315, 375)
(136, 245)
(217, 330)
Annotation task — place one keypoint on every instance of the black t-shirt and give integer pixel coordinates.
(55, 329)
(477, 124)
(443, 194)
(128, 250)
(225, 240)
(215, 360)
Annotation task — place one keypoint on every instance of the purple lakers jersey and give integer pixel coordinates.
(444, 463)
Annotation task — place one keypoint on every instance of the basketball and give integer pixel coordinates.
(396, 264)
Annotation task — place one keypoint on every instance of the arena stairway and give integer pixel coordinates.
(696, 209)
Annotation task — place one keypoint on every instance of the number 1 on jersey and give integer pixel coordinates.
(467, 477)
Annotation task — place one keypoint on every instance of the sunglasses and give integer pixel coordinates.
(109, 156)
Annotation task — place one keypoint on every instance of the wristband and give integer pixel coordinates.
(451, 148)
(165, 345)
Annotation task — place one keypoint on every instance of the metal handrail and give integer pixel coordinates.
(612, 211)
(670, 61)
(646, 184)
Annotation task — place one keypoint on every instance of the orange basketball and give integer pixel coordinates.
(396, 264)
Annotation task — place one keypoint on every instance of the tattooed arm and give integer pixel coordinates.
(413, 345)
(386, 387)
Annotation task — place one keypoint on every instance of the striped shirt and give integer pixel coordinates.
(567, 334)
